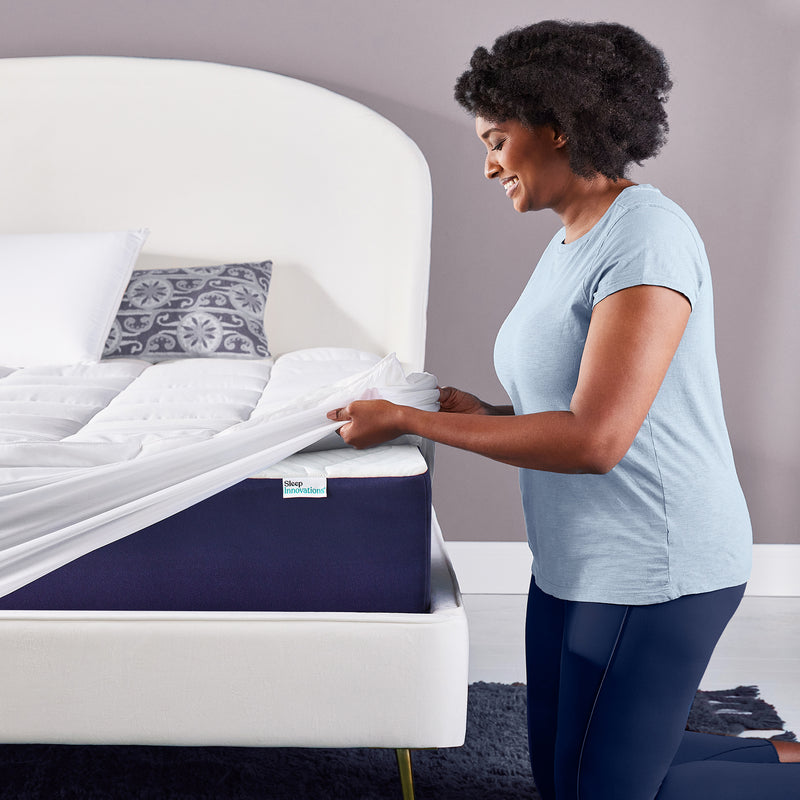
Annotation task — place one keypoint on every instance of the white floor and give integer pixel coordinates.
(761, 646)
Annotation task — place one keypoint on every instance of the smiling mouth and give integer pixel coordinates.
(509, 184)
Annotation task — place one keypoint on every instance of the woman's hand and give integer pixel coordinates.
(454, 401)
(369, 422)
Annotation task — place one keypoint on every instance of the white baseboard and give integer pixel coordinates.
(505, 568)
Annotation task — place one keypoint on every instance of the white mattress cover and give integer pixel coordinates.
(94, 452)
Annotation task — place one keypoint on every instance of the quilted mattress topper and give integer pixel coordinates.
(92, 452)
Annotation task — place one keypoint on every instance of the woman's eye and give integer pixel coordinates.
(499, 145)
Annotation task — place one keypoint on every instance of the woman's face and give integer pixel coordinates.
(531, 164)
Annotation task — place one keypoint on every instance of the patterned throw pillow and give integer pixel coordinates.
(193, 312)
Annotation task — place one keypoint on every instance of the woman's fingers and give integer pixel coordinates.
(449, 398)
(458, 402)
(446, 395)
(337, 415)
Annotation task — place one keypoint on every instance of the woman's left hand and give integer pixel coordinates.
(369, 422)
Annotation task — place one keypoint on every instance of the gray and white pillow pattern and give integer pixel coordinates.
(193, 312)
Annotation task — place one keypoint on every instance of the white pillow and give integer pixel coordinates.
(59, 294)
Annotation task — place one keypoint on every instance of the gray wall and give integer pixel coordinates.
(731, 161)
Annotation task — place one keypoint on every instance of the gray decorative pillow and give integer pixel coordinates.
(192, 312)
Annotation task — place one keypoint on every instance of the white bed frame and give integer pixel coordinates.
(226, 164)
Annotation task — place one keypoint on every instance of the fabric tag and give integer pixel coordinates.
(305, 487)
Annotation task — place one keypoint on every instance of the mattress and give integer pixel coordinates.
(333, 530)
(94, 459)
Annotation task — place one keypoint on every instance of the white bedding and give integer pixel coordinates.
(90, 453)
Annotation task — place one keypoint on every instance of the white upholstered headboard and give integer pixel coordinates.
(226, 164)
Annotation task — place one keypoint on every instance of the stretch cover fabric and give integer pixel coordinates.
(61, 500)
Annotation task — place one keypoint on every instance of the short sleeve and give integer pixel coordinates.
(649, 245)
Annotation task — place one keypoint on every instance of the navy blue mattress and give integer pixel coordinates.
(366, 547)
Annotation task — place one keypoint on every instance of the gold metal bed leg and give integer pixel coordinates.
(406, 778)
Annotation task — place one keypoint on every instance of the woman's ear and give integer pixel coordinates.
(560, 139)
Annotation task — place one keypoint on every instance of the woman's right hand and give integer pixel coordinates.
(454, 401)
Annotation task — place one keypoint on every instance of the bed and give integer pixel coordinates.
(225, 167)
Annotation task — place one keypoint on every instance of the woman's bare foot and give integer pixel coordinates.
(788, 752)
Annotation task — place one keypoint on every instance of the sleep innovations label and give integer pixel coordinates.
(305, 487)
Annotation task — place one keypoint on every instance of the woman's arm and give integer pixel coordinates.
(633, 336)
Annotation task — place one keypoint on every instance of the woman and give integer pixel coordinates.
(639, 530)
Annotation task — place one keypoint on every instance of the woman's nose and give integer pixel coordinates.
(490, 166)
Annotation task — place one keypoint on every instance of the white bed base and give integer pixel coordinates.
(226, 164)
(244, 679)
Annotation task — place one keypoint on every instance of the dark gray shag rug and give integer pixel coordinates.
(492, 764)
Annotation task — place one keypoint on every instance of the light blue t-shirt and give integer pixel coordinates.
(670, 519)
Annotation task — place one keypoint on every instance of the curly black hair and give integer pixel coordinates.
(602, 85)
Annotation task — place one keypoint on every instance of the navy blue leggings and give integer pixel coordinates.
(609, 692)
